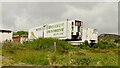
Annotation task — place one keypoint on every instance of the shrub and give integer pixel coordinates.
(117, 40)
(47, 44)
(84, 45)
(103, 44)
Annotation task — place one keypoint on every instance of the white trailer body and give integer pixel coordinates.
(51, 30)
(5, 35)
(58, 30)
(61, 30)
(66, 30)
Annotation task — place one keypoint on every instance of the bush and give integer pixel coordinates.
(47, 44)
(103, 44)
(84, 45)
(117, 40)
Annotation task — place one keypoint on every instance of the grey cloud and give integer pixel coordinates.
(37, 13)
(26, 15)
(84, 5)
(102, 16)
(0, 15)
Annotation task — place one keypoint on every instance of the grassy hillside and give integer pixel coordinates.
(44, 52)
(109, 37)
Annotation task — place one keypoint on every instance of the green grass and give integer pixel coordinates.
(41, 52)
(82, 58)
(0, 54)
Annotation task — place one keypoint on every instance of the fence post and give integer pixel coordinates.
(54, 46)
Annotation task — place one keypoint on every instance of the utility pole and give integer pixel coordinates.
(67, 27)
(43, 30)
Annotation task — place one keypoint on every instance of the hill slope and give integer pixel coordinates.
(109, 37)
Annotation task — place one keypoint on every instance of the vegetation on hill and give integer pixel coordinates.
(108, 40)
(109, 37)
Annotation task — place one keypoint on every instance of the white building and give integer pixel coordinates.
(5, 35)
(70, 30)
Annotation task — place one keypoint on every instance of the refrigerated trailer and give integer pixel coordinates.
(69, 30)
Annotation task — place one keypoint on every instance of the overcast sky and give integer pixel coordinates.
(25, 15)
